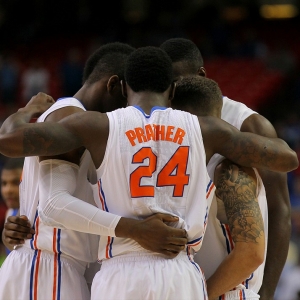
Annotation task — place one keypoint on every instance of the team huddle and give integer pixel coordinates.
(148, 183)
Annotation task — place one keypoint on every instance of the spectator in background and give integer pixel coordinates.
(10, 180)
(72, 71)
(9, 80)
(35, 79)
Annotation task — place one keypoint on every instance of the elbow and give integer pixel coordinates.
(252, 260)
(8, 148)
(44, 216)
(295, 161)
(47, 216)
(292, 162)
(255, 257)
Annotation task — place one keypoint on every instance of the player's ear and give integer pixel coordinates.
(172, 91)
(202, 72)
(113, 83)
(124, 88)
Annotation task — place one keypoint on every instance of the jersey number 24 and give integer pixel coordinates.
(166, 176)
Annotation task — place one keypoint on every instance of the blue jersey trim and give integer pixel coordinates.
(62, 98)
(152, 110)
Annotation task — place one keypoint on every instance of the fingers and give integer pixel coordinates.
(17, 231)
(9, 239)
(50, 99)
(21, 221)
(176, 241)
(41, 99)
(24, 218)
(177, 232)
(18, 228)
(167, 218)
(44, 96)
(17, 235)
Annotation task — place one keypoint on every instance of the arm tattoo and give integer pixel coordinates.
(238, 192)
(245, 149)
(39, 141)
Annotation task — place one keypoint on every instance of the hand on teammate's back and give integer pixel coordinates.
(159, 236)
(17, 230)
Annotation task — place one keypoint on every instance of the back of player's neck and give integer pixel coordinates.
(148, 101)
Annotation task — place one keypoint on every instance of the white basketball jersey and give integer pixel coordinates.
(154, 163)
(80, 246)
(218, 242)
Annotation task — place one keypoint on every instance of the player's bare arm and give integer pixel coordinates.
(246, 149)
(279, 212)
(237, 188)
(238, 192)
(73, 156)
(19, 138)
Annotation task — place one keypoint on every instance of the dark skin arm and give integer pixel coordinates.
(279, 212)
(244, 148)
(236, 187)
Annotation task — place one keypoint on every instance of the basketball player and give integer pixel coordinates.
(238, 221)
(57, 256)
(187, 60)
(149, 150)
(10, 181)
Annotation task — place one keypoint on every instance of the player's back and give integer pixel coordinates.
(66, 241)
(154, 163)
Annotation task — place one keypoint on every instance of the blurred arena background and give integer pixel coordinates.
(250, 47)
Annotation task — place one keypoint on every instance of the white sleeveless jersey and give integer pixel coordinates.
(154, 163)
(80, 246)
(218, 243)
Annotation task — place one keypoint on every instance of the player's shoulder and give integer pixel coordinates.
(62, 108)
(233, 103)
(68, 102)
(235, 112)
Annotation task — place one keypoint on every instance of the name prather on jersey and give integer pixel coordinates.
(169, 171)
(156, 133)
